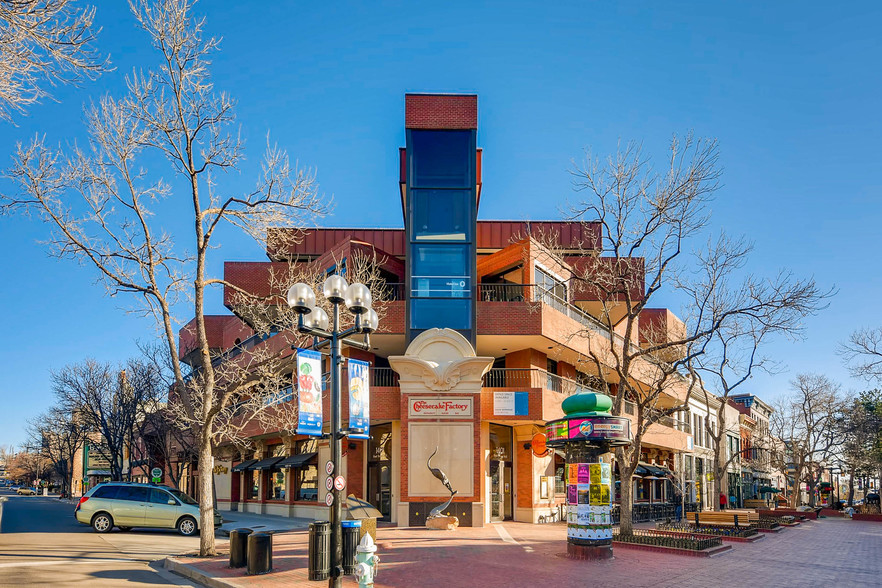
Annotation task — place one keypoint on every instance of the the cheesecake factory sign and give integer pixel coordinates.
(439, 407)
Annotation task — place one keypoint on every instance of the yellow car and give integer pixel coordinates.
(26, 492)
(127, 505)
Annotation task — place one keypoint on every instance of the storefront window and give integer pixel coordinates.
(560, 480)
(255, 484)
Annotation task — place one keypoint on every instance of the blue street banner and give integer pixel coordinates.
(309, 392)
(359, 399)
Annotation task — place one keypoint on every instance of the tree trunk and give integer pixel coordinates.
(206, 501)
(626, 524)
(851, 488)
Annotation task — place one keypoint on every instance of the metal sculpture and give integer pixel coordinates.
(438, 510)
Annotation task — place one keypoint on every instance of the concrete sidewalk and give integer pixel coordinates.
(829, 552)
(258, 522)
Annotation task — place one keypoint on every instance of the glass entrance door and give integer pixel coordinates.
(497, 472)
(380, 487)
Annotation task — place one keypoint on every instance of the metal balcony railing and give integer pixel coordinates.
(532, 378)
(384, 377)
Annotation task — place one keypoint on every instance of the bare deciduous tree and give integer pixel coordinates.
(808, 422)
(107, 209)
(863, 353)
(60, 435)
(108, 402)
(43, 42)
(646, 219)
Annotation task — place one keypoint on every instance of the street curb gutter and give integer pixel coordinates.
(193, 574)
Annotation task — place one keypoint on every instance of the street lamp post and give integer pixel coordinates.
(312, 320)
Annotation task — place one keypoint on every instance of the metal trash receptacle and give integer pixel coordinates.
(239, 547)
(351, 531)
(319, 550)
(260, 553)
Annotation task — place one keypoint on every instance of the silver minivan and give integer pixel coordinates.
(127, 505)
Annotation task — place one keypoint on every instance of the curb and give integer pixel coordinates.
(193, 574)
(713, 552)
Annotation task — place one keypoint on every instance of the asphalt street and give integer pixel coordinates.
(41, 543)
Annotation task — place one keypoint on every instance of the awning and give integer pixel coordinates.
(265, 464)
(641, 471)
(654, 471)
(765, 489)
(243, 466)
(97, 472)
(296, 461)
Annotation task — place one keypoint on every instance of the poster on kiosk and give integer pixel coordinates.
(359, 399)
(309, 392)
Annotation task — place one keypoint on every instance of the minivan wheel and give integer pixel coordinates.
(187, 526)
(102, 522)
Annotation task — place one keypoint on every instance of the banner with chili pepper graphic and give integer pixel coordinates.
(359, 399)
(309, 392)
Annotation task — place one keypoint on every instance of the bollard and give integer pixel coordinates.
(319, 550)
(260, 553)
(350, 543)
(239, 547)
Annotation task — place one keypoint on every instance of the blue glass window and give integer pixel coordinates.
(442, 159)
(440, 260)
(453, 313)
(441, 215)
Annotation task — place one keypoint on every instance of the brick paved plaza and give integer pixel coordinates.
(827, 552)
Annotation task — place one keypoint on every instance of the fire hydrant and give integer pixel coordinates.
(366, 562)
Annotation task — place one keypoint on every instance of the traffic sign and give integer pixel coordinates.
(339, 482)
(329, 467)
(329, 483)
(156, 473)
(329, 499)
(157, 480)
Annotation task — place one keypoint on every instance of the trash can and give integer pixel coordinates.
(319, 550)
(260, 553)
(239, 547)
(351, 538)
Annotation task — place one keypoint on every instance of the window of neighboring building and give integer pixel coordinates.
(275, 488)
(550, 288)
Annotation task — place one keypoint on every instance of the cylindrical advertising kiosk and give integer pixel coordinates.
(586, 434)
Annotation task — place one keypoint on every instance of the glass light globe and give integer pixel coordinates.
(370, 321)
(301, 298)
(334, 288)
(317, 319)
(358, 298)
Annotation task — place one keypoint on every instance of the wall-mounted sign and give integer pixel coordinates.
(440, 407)
(510, 404)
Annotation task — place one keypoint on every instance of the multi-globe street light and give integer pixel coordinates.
(326, 332)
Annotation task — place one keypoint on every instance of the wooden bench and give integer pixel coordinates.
(751, 516)
(721, 519)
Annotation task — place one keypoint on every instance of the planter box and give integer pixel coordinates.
(785, 512)
(719, 550)
(867, 517)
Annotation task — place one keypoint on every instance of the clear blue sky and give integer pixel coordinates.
(791, 89)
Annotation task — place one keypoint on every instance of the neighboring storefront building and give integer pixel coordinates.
(482, 336)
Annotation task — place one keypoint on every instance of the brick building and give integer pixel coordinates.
(486, 298)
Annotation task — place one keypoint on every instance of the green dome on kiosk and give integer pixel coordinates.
(587, 404)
